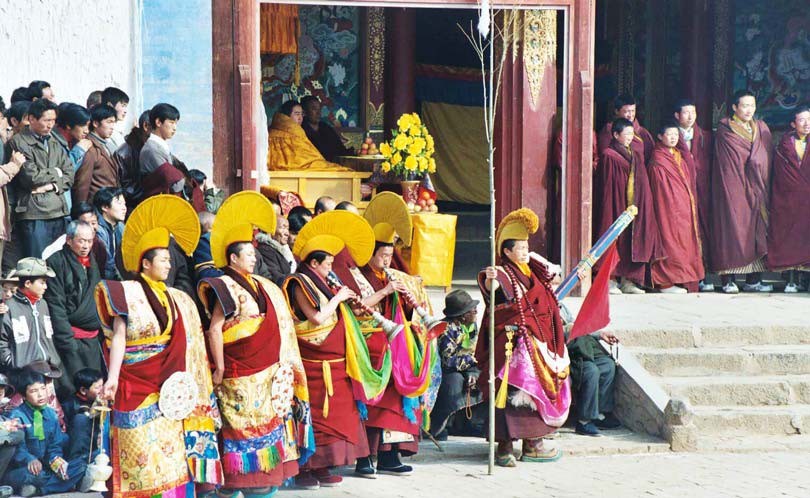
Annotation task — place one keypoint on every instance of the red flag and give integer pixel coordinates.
(595, 312)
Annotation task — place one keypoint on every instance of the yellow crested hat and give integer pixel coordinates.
(388, 214)
(152, 222)
(235, 221)
(517, 225)
(332, 231)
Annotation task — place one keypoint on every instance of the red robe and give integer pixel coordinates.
(640, 243)
(643, 142)
(544, 323)
(740, 196)
(339, 437)
(673, 197)
(387, 413)
(789, 229)
(699, 159)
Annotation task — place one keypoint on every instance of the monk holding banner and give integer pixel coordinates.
(534, 393)
(672, 187)
(741, 176)
(789, 230)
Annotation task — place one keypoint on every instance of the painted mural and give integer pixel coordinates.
(772, 56)
(329, 62)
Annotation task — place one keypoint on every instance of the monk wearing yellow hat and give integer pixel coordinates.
(393, 420)
(534, 394)
(164, 423)
(260, 380)
(336, 357)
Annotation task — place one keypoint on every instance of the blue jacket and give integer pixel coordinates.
(112, 239)
(33, 448)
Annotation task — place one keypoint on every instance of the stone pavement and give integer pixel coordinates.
(667, 475)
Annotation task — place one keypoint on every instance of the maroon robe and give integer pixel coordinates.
(740, 196)
(640, 243)
(643, 142)
(672, 188)
(699, 157)
(339, 437)
(789, 229)
(387, 413)
(542, 320)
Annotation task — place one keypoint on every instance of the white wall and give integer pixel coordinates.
(76, 45)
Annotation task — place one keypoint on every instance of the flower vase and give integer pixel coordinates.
(410, 191)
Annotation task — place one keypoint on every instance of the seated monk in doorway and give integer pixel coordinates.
(288, 146)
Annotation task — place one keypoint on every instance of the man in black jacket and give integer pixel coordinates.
(275, 259)
(72, 305)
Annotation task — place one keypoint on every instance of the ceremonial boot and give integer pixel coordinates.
(364, 468)
(538, 450)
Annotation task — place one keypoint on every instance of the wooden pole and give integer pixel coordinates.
(491, 115)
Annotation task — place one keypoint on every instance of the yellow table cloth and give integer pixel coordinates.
(433, 248)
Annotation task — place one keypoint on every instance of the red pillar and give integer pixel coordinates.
(400, 64)
(523, 141)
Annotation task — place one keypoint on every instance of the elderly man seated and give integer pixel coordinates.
(288, 145)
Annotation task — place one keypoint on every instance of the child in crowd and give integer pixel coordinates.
(80, 415)
(10, 284)
(11, 434)
(38, 465)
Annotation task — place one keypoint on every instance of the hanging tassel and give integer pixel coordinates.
(327, 380)
(500, 399)
(361, 407)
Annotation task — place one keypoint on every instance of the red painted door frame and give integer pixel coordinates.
(236, 86)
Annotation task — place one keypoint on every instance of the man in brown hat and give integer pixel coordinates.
(27, 333)
(459, 368)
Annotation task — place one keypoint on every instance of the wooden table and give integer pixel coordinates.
(365, 163)
(310, 185)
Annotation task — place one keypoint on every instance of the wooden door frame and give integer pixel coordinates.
(236, 85)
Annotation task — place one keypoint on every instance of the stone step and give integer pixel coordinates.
(713, 336)
(740, 391)
(753, 443)
(750, 360)
(748, 420)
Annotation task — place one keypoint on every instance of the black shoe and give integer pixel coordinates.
(388, 463)
(442, 436)
(609, 422)
(399, 470)
(364, 468)
(587, 429)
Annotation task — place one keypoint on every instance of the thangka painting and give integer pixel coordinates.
(329, 65)
(772, 56)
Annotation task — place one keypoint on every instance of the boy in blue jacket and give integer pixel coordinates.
(38, 466)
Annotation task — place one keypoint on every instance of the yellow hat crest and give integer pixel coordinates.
(334, 230)
(150, 225)
(235, 221)
(517, 225)
(389, 209)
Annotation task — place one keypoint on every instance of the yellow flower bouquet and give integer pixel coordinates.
(409, 153)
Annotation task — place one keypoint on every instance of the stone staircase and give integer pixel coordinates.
(745, 387)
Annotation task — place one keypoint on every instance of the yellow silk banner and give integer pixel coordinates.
(433, 248)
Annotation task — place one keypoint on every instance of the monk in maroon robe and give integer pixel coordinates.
(741, 196)
(672, 187)
(624, 182)
(387, 414)
(789, 229)
(643, 141)
(695, 146)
